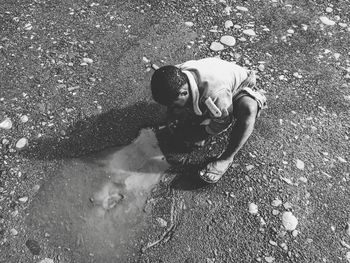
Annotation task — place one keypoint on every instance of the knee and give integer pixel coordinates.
(246, 108)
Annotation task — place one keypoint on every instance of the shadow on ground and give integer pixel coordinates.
(115, 127)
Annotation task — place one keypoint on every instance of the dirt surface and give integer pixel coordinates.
(75, 82)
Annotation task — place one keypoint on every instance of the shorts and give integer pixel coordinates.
(248, 88)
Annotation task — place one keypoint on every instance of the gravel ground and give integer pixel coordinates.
(75, 81)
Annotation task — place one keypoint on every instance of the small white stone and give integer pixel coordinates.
(303, 179)
(87, 60)
(21, 143)
(189, 24)
(6, 124)
(228, 24)
(237, 26)
(269, 259)
(329, 10)
(161, 222)
(253, 208)
(295, 233)
(289, 221)
(14, 232)
(325, 20)
(23, 199)
(300, 164)
(249, 167)
(146, 60)
(275, 212)
(342, 160)
(24, 118)
(216, 46)
(290, 31)
(242, 8)
(46, 260)
(228, 40)
(249, 32)
(336, 56)
(261, 67)
(343, 25)
(276, 202)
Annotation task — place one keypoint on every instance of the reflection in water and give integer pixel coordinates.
(94, 206)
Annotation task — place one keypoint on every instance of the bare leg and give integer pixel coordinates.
(245, 111)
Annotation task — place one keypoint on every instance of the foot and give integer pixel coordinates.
(214, 171)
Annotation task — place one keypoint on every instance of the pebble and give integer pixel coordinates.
(343, 25)
(342, 160)
(336, 56)
(300, 164)
(249, 32)
(276, 202)
(242, 8)
(242, 39)
(347, 256)
(289, 221)
(14, 232)
(290, 31)
(275, 212)
(228, 40)
(228, 24)
(189, 24)
(303, 179)
(23, 199)
(216, 46)
(161, 222)
(261, 67)
(329, 10)
(237, 26)
(325, 20)
(24, 118)
(273, 243)
(87, 60)
(46, 260)
(253, 208)
(21, 143)
(295, 233)
(6, 124)
(269, 259)
(347, 229)
(5, 141)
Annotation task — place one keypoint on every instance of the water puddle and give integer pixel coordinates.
(94, 206)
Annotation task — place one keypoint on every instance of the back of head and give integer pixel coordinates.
(166, 83)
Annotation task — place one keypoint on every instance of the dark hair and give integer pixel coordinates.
(166, 83)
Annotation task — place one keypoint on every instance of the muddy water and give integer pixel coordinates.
(94, 206)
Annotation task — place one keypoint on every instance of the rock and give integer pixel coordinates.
(6, 124)
(347, 256)
(275, 212)
(87, 60)
(28, 26)
(342, 160)
(242, 8)
(249, 32)
(269, 259)
(46, 260)
(33, 247)
(36, 188)
(347, 229)
(228, 40)
(295, 233)
(343, 25)
(5, 141)
(249, 167)
(216, 46)
(23, 199)
(303, 179)
(276, 202)
(329, 10)
(290, 31)
(237, 26)
(14, 232)
(336, 56)
(228, 24)
(325, 20)
(300, 164)
(261, 67)
(189, 24)
(161, 222)
(289, 221)
(253, 208)
(21, 143)
(24, 118)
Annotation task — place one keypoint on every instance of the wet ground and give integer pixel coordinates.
(75, 83)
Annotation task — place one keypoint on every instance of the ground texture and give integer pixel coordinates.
(75, 81)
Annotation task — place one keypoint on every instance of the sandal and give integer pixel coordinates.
(210, 174)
